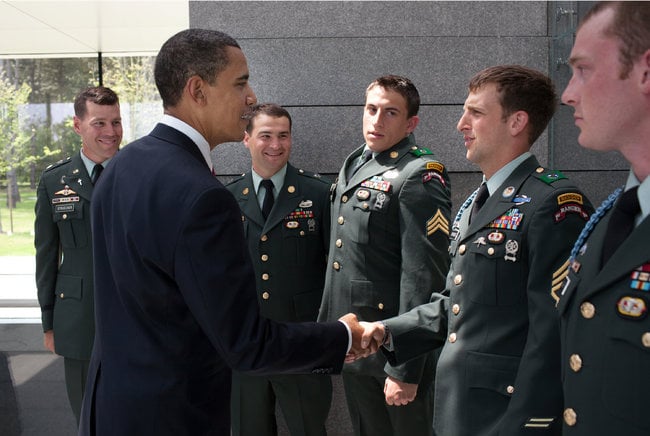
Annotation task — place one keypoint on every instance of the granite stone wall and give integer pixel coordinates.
(316, 58)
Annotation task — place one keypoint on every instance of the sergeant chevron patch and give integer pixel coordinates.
(438, 222)
(558, 279)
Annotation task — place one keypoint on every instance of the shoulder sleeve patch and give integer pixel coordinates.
(435, 166)
(570, 197)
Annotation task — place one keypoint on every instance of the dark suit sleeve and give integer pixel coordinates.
(215, 276)
(46, 242)
(424, 212)
(537, 383)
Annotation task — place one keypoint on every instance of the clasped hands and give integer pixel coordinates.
(367, 337)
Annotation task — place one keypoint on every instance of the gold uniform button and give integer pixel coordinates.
(570, 417)
(380, 306)
(336, 266)
(461, 249)
(539, 170)
(393, 154)
(265, 276)
(452, 338)
(344, 199)
(575, 362)
(61, 295)
(458, 279)
(455, 309)
(265, 295)
(265, 257)
(645, 339)
(302, 233)
(65, 216)
(365, 205)
(291, 189)
(490, 251)
(510, 390)
(587, 310)
(339, 243)
(340, 220)
(264, 238)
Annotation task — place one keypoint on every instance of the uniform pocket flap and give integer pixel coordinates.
(69, 287)
(491, 371)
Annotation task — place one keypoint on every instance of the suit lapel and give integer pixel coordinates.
(77, 178)
(287, 201)
(631, 254)
(248, 201)
(384, 161)
(500, 200)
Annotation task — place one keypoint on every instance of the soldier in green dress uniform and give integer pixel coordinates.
(287, 229)
(388, 252)
(62, 236)
(604, 295)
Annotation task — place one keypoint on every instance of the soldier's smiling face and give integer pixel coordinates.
(269, 143)
(100, 130)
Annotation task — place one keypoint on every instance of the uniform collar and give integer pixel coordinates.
(502, 175)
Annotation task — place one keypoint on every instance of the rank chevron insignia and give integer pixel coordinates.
(558, 281)
(438, 222)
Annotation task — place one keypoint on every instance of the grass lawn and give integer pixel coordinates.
(20, 242)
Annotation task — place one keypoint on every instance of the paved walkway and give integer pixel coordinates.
(33, 400)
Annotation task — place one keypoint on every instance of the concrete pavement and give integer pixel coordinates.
(33, 400)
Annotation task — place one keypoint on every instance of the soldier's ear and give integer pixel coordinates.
(517, 122)
(645, 72)
(412, 124)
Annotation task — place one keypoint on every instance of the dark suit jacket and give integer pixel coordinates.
(64, 262)
(499, 371)
(606, 337)
(389, 243)
(175, 299)
(289, 249)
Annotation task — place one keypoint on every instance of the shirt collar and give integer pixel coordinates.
(500, 176)
(277, 179)
(89, 164)
(192, 133)
(643, 193)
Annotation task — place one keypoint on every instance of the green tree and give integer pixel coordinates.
(132, 79)
(14, 139)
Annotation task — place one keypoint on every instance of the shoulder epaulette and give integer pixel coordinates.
(549, 176)
(312, 175)
(420, 151)
(58, 164)
(236, 179)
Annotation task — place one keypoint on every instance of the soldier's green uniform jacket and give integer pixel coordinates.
(288, 250)
(498, 372)
(389, 244)
(64, 260)
(289, 253)
(606, 335)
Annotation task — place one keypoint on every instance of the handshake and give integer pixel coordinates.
(367, 337)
